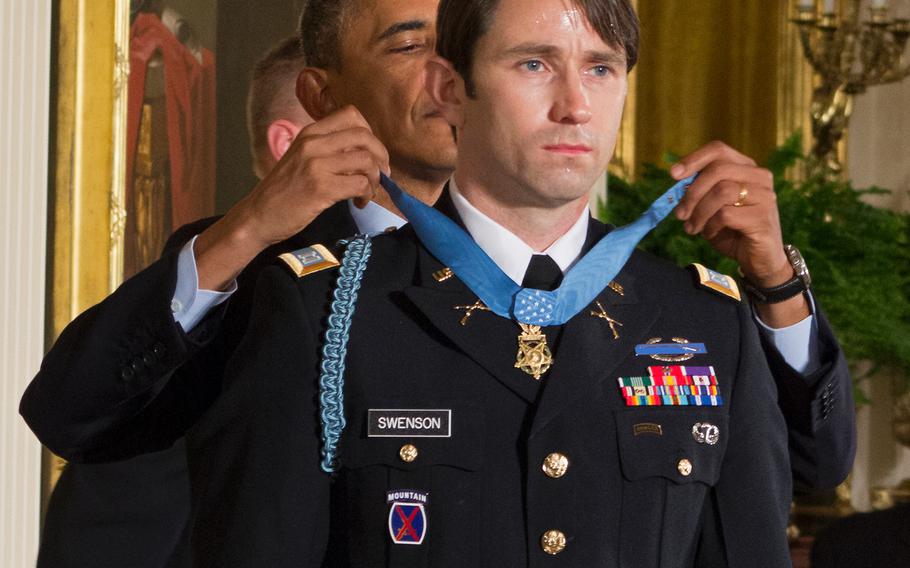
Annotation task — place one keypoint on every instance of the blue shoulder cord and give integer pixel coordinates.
(331, 378)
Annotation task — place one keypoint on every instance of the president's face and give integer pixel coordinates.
(385, 47)
(549, 99)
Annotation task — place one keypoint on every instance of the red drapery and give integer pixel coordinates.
(190, 103)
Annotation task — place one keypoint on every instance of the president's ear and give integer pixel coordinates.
(313, 93)
(446, 89)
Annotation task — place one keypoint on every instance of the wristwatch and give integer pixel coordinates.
(797, 285)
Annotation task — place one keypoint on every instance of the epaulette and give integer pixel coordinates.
(717, 282)
(309, 260)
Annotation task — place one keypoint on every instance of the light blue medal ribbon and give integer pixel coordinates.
(452, 246)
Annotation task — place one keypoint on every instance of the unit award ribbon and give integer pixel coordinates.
(455, 248)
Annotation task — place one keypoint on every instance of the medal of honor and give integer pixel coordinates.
(455, 248)
(534, 357)
(530, 308)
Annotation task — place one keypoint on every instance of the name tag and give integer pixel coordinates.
(408, 423)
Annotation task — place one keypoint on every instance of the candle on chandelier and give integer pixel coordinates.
(829, 7)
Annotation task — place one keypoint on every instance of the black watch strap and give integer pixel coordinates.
(785, 291)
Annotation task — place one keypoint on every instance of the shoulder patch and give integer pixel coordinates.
(309, 260)
(720, 283)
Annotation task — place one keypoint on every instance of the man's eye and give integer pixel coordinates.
(601, 70)
(533, 65)
(409, 48)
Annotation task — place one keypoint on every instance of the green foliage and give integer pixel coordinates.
(859, 255)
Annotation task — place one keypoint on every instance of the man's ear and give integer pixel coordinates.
(446, 89)
(281, 134)
(313, 93)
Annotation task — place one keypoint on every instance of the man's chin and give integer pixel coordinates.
(561, 187)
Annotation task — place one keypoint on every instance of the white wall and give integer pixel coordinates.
(878, 147)
(878, 153)
(25, 40)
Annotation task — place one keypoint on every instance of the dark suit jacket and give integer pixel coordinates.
(135, 513)
(260, 497)
(880, 539)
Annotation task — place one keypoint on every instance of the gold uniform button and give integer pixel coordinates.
(553, 542)
(555, 465)
(408, 453)
(684, 467)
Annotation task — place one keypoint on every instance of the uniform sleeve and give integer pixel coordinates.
(752, 496)
(104, 391)
(259, 494)
(819, 410)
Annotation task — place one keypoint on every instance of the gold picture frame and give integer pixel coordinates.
(88, 165)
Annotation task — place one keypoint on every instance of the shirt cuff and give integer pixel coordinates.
(798, 344)
(190, 304)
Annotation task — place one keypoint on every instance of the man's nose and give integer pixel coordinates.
(570, 103)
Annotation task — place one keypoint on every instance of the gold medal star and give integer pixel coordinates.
(534, 357)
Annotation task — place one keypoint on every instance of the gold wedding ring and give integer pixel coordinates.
(743, 193)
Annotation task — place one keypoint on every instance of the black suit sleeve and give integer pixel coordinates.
(819, 411)
(111, 367)
(259, 494)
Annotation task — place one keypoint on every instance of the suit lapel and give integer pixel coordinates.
(489, 340)
(588, 352)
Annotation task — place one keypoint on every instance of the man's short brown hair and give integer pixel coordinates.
(321, 25)
(272, 96)
(461, 23)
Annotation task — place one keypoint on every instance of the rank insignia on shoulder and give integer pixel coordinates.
(309, 260)
(720, 283)
(672, 385)
(407, 516)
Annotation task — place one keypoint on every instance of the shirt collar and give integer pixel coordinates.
(509, 252)
(374, 218)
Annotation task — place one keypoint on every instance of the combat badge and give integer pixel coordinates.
(309, 260)
(680, 350)
(720, 283)
(407, 516)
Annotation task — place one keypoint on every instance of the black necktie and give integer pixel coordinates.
(543, 273)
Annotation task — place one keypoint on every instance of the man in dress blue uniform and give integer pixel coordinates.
(132, 374)
(640, 430)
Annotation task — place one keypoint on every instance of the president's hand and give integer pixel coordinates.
(331, 160)
(732, 204)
